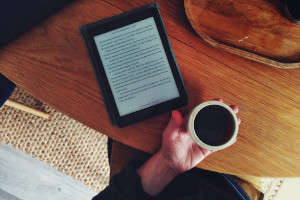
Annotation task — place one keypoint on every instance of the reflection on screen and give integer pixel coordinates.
(136, 66)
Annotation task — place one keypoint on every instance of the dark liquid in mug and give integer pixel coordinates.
(214, 125)
(294, 8)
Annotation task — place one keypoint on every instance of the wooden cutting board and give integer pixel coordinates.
(255, 29)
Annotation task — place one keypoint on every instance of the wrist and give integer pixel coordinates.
(166, 164)
(156, 174)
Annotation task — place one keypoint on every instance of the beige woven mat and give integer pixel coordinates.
(67, 145)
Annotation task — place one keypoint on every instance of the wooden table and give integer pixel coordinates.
(51, 62)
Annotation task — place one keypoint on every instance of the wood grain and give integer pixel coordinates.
(255, 29)
(51, 62)
(178, 27)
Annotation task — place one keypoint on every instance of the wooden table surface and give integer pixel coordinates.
(259, 31)
(51, 62)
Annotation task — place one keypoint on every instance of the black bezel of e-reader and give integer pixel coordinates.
(91, 30)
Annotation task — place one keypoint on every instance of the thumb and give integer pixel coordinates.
(175, 122)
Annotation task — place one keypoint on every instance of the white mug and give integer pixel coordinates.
(213, 125)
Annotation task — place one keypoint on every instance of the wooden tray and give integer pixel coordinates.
(255, 29)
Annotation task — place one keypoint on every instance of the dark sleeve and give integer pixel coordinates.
(194, 184)
(125, 185)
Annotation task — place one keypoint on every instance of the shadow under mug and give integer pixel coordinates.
(213, 125)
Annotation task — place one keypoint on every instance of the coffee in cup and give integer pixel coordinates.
(213, 125)
(291, 10)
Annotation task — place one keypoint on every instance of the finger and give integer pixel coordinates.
(239, 120)
(176, 117)
(175, 121)
(218, 99)
(234, 108)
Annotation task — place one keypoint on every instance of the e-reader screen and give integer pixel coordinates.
(136, 66)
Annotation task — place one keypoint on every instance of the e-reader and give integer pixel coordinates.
(135, 65)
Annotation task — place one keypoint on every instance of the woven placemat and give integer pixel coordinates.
(65, 144)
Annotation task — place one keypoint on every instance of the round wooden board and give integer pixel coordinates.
(255, 29)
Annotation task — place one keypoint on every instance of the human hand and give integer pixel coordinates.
(178, 154)
(178, 148)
